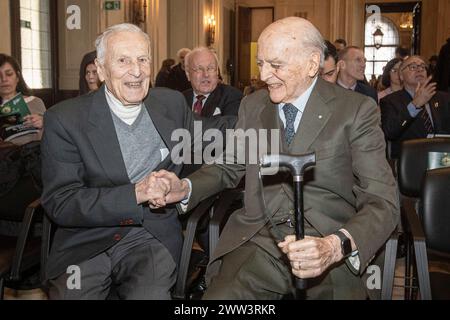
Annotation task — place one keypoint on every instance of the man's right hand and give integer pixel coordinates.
(179, 189)
(424, 92)
(152, 190)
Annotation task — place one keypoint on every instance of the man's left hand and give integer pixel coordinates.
(311, 256)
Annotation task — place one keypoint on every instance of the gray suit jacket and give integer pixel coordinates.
(351, 185)
(87, 192)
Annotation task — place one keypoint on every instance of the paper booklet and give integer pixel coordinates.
(11, 118)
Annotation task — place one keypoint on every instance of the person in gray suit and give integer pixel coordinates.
(350, 196)
(99, 154)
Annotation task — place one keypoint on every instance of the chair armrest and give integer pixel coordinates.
(194, 217)
(413, 224)
(414, 227)
(223, 204)
(390, 259)
(22, 239)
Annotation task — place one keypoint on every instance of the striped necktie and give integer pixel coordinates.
(427, 121)
(198, 105)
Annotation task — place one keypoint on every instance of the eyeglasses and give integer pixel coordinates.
(416, 67)
(209, 70)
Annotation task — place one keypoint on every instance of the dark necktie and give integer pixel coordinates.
(427, 121)
(290, 112)
(198, 105)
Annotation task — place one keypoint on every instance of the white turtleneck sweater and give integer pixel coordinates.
(127, 114)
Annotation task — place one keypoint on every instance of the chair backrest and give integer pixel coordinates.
(413, 163)
(435, 213)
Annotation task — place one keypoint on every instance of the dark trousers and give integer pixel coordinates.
(138, 267)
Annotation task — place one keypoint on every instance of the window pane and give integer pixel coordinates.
(387, 50)
(35, 43)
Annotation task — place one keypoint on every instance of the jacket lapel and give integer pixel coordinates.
(212, 102)
(435, 107)
(163, 124)
(270, 120)
(189, 96)
(102, 135)
(314, 118)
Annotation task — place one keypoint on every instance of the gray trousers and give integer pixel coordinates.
(138, 267)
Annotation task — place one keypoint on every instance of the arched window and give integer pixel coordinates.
(377, 58)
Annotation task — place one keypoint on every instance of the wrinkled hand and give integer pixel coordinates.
(152, 190)
(311, 256)
(178, 189)
(424, 92)
(34, 120)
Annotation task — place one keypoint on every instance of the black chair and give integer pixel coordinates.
(18, 254)
(430, 229)
(218, 209)
(411, 168)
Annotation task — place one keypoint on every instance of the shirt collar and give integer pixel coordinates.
(205, 95)
(300, 102)
(353, 87)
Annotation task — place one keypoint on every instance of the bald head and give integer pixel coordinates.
(290, 53)
(297, 34)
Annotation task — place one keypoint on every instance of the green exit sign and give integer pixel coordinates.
(112, 5)
(25, 24)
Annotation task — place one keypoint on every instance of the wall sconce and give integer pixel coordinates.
(211, 32)
(139, 13)
(406, 21)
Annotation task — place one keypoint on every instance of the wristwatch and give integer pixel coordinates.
(346, 244)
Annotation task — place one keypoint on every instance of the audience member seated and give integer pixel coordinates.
(330, 70)
(352, 65)
(255, 85)
(443, 68)
(88, 58)
(177, 79)
(432, 66)
(18, 128)
(91, 77)
(208, 97)
(401, 52)
(163, 75)
(391, 78)
(416, 111)
(340, 44)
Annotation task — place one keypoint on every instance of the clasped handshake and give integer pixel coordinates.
(161, 188)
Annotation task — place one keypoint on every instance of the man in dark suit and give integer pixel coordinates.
(99, 152)
(350, 196)
(208, 97)
(177, 79)
(352, 65)
(416, 111)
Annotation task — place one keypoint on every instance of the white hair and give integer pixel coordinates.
(101, 41)
(188, 57)
(312, 40)
(183, 51)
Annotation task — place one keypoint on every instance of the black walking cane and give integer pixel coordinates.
(297, 165)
